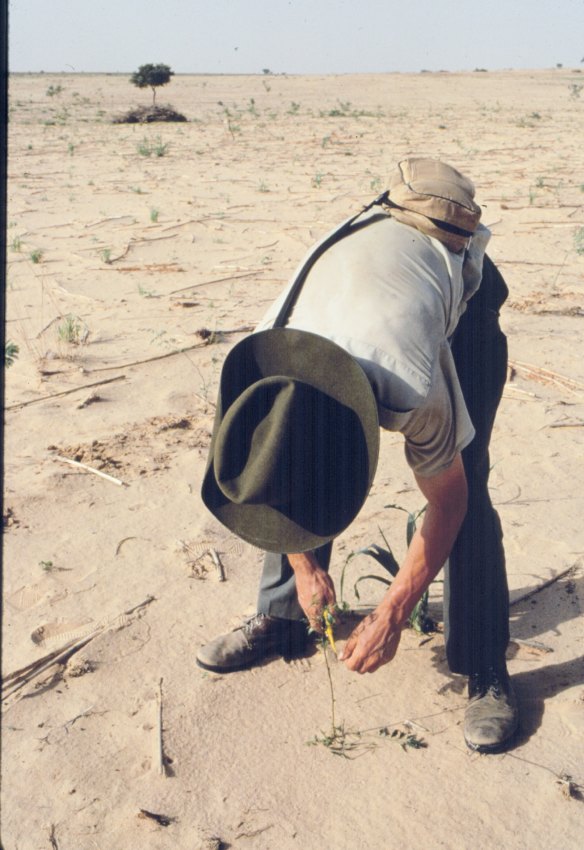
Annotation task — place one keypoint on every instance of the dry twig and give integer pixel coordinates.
(14, 682)
(210, 282)
(546, 376)
(161, 768)
(90, 469)
(204, 343)
(66, 392)
(543, 586)
(218, 564)
(161, 820)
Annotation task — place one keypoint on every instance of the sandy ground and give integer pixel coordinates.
(124, 242)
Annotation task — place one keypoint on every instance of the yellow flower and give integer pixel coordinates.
(328, 628)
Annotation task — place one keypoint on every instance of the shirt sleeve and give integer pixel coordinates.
(440, 428)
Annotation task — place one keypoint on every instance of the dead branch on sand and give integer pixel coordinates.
(90, 469)
(206, 342)
(546, 376)
(160, 764)
(543, 586)
(66, 392)
(14, 682)
(210, 282)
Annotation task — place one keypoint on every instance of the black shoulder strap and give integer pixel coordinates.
(336, 236)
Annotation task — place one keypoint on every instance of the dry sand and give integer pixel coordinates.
(138, 254)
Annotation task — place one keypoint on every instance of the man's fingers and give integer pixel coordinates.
(348, 648)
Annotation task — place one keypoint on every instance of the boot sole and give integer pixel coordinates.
(214, 668)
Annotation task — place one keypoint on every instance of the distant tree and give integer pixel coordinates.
(153, 76)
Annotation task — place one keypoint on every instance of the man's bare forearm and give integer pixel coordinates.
(374, 641)
(428, 551)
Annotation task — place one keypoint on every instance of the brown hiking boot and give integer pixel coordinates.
(491, 717)
(257, 638)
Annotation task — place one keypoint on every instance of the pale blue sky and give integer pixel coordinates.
(294, 36)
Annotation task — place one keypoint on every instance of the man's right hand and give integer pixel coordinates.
(314, 587)
(371, 644)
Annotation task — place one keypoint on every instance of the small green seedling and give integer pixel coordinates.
(11, 351)
(69, 330)
(339, 740)
(156, 147)
(36, 256)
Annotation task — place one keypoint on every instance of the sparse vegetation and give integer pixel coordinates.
(152, 76)
(154, 213)
(419, 620)
(11, 352)
(36, 256)
(70, 330)
(156, 147)
(350, 743)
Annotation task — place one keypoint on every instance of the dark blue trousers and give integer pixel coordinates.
(476, 597)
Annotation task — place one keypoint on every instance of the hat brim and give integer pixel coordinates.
(329, 369)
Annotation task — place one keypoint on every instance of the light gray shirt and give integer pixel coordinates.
(392, 297)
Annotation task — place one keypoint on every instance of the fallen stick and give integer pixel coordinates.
(103, 220)
(90, 469)
(206, 400)
(541, 587)
(525, 263)
(66, 392)
(46, 327)
(218, 564)
(161, 820)
(534, 646)
(133, 242)
(209, 282)
(13, 682)
(180, 224)
(159, 742)
(566, 425)
(53, 837)
(151, 359)
(518, 390)
(546, 375)
(204, 343)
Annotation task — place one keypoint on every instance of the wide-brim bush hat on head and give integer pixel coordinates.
(295, 441)
(435, 198)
